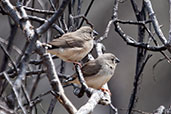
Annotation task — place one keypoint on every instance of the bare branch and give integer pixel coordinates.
(92, 102)
(54, 80)
(84, 18)
(87, 11)
(13, 47)
(13, 31)
(155, 21)
(52, 105)
(17, 94)
(52, 5)
(84, 86)
(129, 40)
(160, 110)
(41, 20)
(20, 21)
(170, 23)
(7, 54)
(53, 18)
(106, 31)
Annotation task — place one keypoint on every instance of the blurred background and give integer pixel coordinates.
(155, 85)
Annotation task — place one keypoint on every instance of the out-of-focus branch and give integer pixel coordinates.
(15, 48)
(53, 18)
(21, 19)
(106, 31)
(41, 20)
(17, 94)
(160, 110)
(170, 23)
(52, 5)
(54, 80)
(87, 11)
(84, 18)
(28, 73)
(13, 31)
(24, 24)
(4, 109)
(141, 55)
(10, 58)
(52, 105)
(19, 15)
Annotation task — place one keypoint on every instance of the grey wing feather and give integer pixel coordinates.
(66, 41)
(91, 68)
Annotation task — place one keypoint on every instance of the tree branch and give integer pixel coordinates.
(92, 102)
(155, 22)
(53, 18)
(129, 40)
(54, 80)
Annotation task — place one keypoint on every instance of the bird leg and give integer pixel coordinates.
(77, 63)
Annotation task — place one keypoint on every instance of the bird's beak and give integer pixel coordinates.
(95, 33)
(117, 60)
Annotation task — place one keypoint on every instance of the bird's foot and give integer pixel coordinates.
(77, 63)
(106, 90)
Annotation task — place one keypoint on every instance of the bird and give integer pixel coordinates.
(73, 46)
(97, 72)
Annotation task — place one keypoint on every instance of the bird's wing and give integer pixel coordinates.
(91, 68)
(67, 41)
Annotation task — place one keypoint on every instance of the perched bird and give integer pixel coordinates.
(73, 46)
(97, 72)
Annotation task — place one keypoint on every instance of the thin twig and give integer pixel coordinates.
(52, 5)
(134, 110)
(141, 54)
(84, 86)
(86, 13)
(155, 22)
(19, 100)
(170, 23)
(13, 46)
(7, 54)
(44, 27)
(26, 95)
(113, 108)
(106, 31)
(84, 18)
(38, 99)
(13, 31)
(41, 20)
(35, 84)
(39, 10)
(133, 95)
(129, 40)
(52, 105)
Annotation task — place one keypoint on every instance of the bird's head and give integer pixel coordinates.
(88, 31)
(111, 59)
